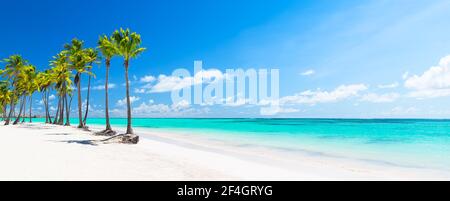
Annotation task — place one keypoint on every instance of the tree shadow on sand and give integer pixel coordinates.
(35, 127)
(59, 134)
(82, 142)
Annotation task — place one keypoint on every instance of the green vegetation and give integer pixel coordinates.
(20, 80)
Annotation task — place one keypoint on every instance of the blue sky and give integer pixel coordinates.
(359, 59)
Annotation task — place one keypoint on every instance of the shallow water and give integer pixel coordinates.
(402, 142)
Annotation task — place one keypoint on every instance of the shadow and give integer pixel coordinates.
(35, 127)
(61, 134)
(82, 142)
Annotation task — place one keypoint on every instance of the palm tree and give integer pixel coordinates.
(44, 82)
(13, 68)
(22, 85)
(62, 77)
(128, 46)
(91, 57)
(78, 62)
(31, 88)
(5, 96)
(106, 47)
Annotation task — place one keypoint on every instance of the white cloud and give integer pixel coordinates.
(308, 73)
(147, 78)
(139, 91)
(382, 98)
(388, 86)
(102, 87)
(313, 97)
(181, 105)
(148, 109)
(123, 101)
(435, 82)
(51, 97)
(169, 83)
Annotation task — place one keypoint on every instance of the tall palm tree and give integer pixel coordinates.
(78, 62)
(5, 96)
(91, 57)
(62, 77)
(13, 68)
(106, 47)
(22, 86)
(127, 44)
(44, 83)
(31, 88)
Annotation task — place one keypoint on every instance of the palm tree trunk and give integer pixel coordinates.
(70, 103)
(129, 129)
(67, 112)
(108, 124)
(87, 101)
(80, 118)
(61, 112)
(11, 111)
(4, 112)
(24, 108)
(31, 105)
(47, 107)
(20, 111)
(55, 121)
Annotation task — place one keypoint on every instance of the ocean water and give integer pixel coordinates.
(402, 142)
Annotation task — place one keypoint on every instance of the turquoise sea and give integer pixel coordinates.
(403, 142)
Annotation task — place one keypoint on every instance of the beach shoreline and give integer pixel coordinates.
(48, 152)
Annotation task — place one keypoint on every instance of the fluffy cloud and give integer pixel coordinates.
(166, 83)
(380, 98)
(100, 87)
(123, 101)
(147, 109)
(435, 82)
(181, 105)
(147, 78)
(308, 73)
(318, 96)
(170, 83)
(139, 91)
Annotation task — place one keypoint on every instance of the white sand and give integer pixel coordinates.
(47, 152)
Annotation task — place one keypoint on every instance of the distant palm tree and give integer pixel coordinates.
(128, 46)
(78, 62)
(22, 87)
(14, 67)
(91, 57)
(62, 77)
(32, 87)
(44, 83)
(106, 47)
(5, 96)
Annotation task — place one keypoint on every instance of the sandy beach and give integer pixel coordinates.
(47, 152)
